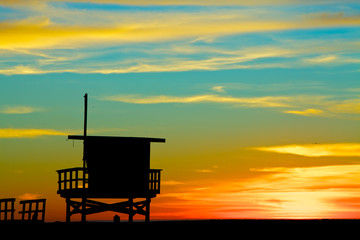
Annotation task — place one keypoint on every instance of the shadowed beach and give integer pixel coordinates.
(287, 229)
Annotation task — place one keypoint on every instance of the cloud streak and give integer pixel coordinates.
(314, 106)
(180, 2)
(166, 39)
(19, 109)
(306, 112)
(268, 101)
(169, 60)
(29, 196)
(89, 28)
(28, 133)
(219, 89)
(317, 150)
(49, 35)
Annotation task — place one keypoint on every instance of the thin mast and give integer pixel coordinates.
(85, 114)
(85, 128)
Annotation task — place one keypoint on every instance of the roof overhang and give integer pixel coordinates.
(111, 138)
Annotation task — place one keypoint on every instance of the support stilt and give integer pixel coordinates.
(131, 210)
(147, 211)
(87, 206)
(83, 210)
(68, 212)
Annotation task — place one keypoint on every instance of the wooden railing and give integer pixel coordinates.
(7, 209)
(154, 180)
(78, 178)
(34, 209)
(73, 178)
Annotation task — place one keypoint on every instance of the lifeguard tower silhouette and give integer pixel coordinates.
(113, 167)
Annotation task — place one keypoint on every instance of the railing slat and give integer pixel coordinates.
(71, 179)
(76, 178)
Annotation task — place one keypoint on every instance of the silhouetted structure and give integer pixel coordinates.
(7, 209)
(33, 210)
(113, 167)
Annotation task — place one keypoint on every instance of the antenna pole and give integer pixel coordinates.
(85, 127)
(85, 114)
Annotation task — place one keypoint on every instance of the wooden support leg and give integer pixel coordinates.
(23, 213)
(68, 212)
(147, 211)
(131, 209)
(88, 206)
(83, 210)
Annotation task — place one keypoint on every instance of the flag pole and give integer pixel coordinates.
(85, 127)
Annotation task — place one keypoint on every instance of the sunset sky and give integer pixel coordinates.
(259, 101)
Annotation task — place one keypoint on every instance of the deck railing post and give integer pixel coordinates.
(6, 207)
(71, 179)
(23, 215)
(43, 210)
(30, 207)
(76, 178)
(12, 209)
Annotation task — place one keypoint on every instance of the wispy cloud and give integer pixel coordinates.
(19, 109)
(207, 170)
(325, 106)
(37, 31)
(204, 170)
(90, 28)
(304, 105)
(268, 101)
(322, 59)
(171, 183)
(330, 60)
(29, 133)
(29, 196)
(181, 2)
(61, 36)
(168, 59)
(351, 106)
(317, 150)
(219, 89)
(306, 112)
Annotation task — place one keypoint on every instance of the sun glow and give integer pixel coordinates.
(293, 193)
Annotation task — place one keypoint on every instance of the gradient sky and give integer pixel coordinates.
(258, 100)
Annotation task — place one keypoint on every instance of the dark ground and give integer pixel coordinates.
(225, 229)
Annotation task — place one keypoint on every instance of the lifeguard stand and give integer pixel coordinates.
(114, 167)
